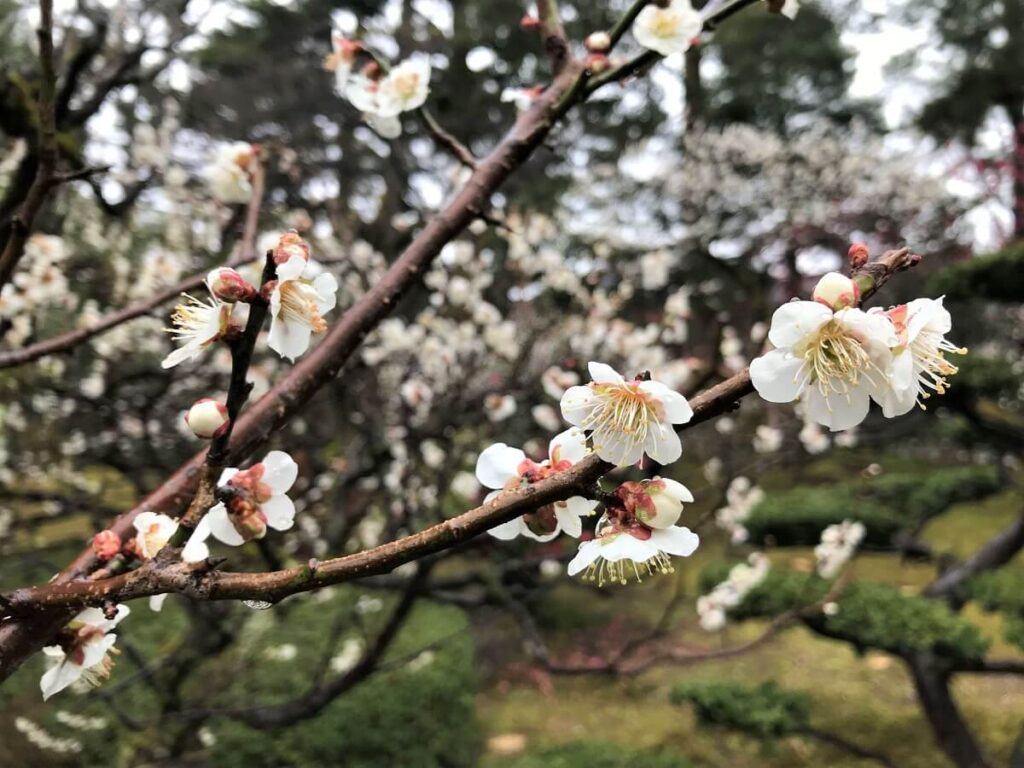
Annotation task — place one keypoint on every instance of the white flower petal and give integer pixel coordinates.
(289, 340)
(577, 403)
(59, 677)
(279, 511)
(221, 527)
(604, 374)
(663, 444)
(498, 464)
(838, 412)
(508, 531)
(795, 320)
(570, 445)
(678, 540)
(279, 471)
(196, 549)
(777, 376)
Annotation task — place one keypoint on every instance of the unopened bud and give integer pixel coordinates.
(598, 42)
(836, 291)
(207, 418)
(229, 286)
(597, 63)
(667, 499)
(106, 545)
(858, 255)
(290, 244)
(372, 70)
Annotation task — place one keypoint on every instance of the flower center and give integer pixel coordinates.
(193, 319)
(835, 360)
(298, 305)
(623, 409)
(406, 84)
(665, 23)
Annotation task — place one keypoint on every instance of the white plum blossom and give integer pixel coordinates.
(404, 88)
(228, 176)
(499, 407)
(741, 498)
(196, 325)
(616, 553)
(297, 307)
(834, 362)
(501, 467)
(919, 359)
(153, 532)
(667, 30)
(86, 644)
(743, 577)
(767, 439)
(555, 381)
(838, 543)
(256, 500)
(627, 419)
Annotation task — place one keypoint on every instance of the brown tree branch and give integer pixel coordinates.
(20, 638)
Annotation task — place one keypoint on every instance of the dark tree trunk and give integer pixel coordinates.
(695, 95)
(954, 738)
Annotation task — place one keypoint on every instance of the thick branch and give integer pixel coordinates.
(996, 552)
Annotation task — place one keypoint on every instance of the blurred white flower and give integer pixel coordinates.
(667, 30)
(838, 543)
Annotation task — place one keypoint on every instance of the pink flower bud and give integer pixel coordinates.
(290, 244)
(106, 544)
(207, 418)
(529, 22)
(836, 291)
(229, 286)
(598, 63)
(598, 42)
(858, 255)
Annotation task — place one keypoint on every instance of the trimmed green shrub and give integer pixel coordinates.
(765, 711)
(886, 505)
(598, 754)
(1003, 591)
(869, 616)
(998, 275)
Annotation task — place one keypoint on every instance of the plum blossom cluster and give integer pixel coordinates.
(838, 543)
(636, 533)
(741, 498)
(381, 95)
(298, 298)
(836, 358)
(713, 607)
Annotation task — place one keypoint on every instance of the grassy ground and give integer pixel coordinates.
(868, 699)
